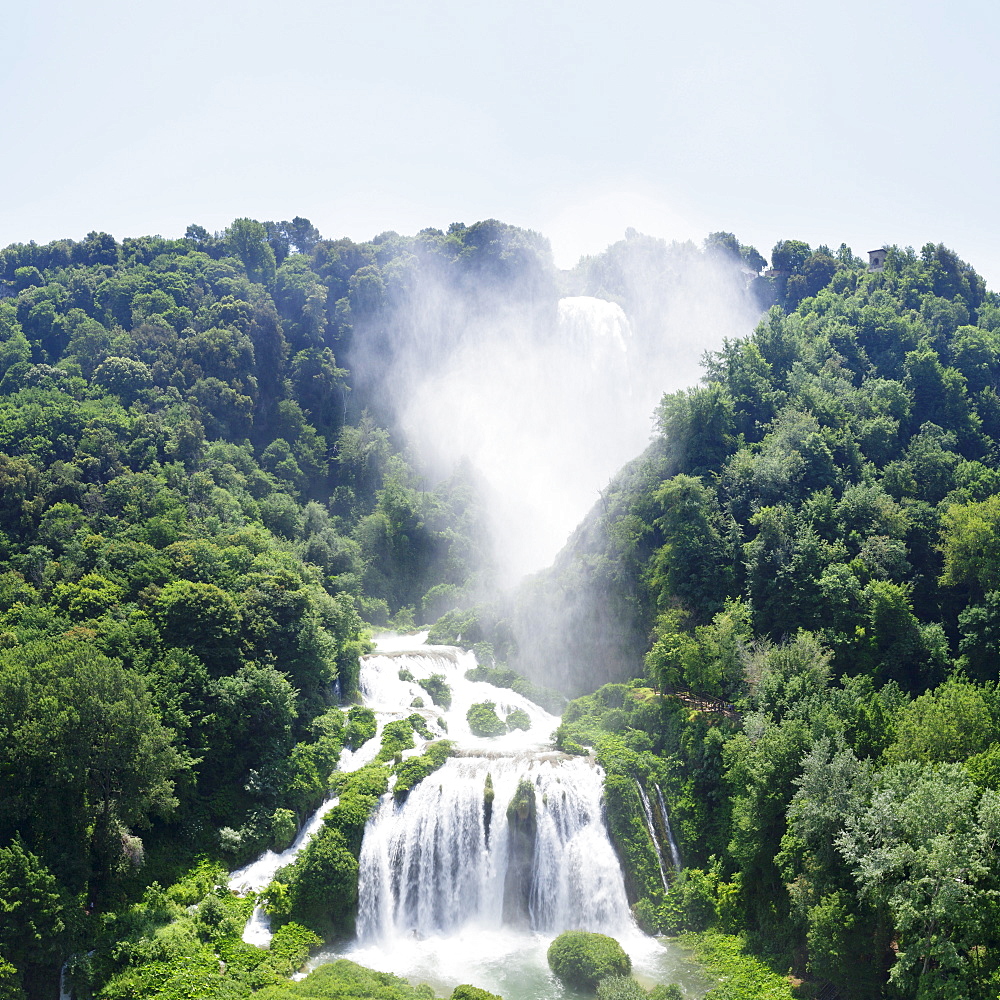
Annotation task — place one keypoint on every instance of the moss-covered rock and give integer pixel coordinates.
(580, 959)
(488, 796)
(484, 721)
(522, 829)
(518, 719)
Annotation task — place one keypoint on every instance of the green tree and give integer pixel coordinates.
(970, 543)
(925, 849)
(200, 617)
(694, 564)
(947, 724)
(247, 240)
(83, 758)
(789, 255)
(34, 911)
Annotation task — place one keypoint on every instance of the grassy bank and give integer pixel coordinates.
(741, 976)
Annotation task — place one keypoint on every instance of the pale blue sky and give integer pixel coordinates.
(862, 122)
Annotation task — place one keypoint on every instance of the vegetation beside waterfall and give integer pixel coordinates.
(809, 549)
(781, 620)
(201, 508)
(581, 959)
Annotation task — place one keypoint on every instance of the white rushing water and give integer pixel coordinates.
(433, 864)
(651, 827)
(453, 891)
(675, 854)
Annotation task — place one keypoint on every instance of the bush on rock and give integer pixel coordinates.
(581, 959)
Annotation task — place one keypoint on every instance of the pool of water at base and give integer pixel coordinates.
(511, 964)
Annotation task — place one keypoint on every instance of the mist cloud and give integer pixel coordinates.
(545, 395)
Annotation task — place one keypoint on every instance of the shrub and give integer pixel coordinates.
(321, 885)
(581, 959)
(397, 736)
(690, 904)
(283, 829)
(419, 724)
(645, 915)
(484, 721)
(472, 993)
(290, 947)
(438, 689)
(344, 978)
(359, 794)
(414, 769)
(518, 719)
(669, 992)
(360, 728)
(620, 988)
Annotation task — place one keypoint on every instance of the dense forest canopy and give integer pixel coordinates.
(207, 500)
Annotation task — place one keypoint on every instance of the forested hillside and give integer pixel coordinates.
(195, 517)
(807, 556)
(206, 501)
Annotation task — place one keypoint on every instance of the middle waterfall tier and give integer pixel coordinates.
(500, 840)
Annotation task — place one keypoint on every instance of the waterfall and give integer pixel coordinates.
(538, 857)
(598, 330)
(651, 827)
(674, 852)
(470, 876)
(428, 866)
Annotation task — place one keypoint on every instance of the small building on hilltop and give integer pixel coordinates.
(876, 258)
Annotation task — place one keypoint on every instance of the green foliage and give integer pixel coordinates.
(185, 940)
(343, 978)
(466, 992)
(320, 888)
(690, 904)
(742, 974)
(947, 724)
(970, 542)
(414, 769)
(924, 849)
(64, 701)
(620, 988)
(35, 909)
(518, 718)
(195, 509)
(484, 721)
(361, 726)
(581, 959)
(670, 991)
(692, 567)
(438, 689)
(397, 736)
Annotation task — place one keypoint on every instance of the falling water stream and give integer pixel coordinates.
(651, 827)
(453, 890)
(675, 854)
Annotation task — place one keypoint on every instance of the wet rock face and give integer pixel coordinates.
(488, 795)
(522, 828)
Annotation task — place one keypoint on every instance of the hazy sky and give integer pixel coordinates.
(857, 122)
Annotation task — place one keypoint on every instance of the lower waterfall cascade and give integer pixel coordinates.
(471, 876)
